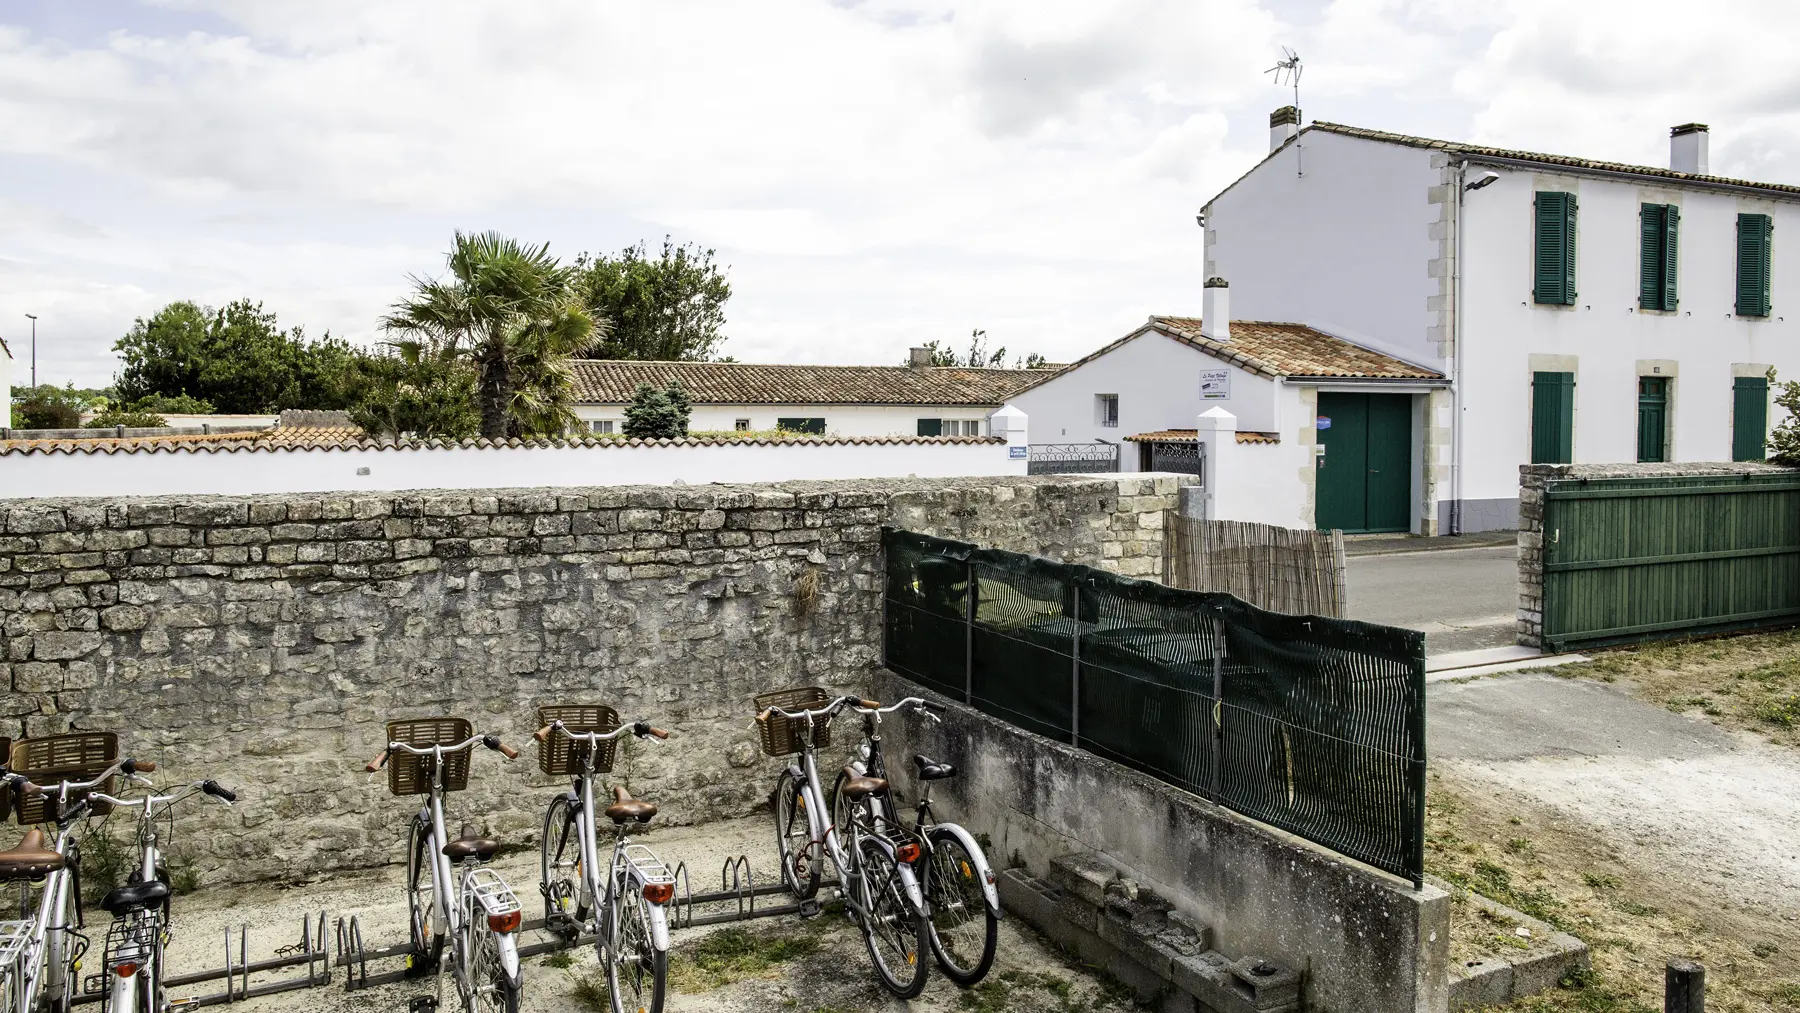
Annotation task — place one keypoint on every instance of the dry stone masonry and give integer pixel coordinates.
(265, 640)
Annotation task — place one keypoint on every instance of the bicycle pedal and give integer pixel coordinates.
(810, 908)
(422, 1004)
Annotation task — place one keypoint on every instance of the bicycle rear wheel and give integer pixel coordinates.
(495, 990)
(637, 973)
(963, 928)
(421, 899)
(800, 858)
(559, 866)
(894, 931)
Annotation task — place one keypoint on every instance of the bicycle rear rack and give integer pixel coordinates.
(309, 952)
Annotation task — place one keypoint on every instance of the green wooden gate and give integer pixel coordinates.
(1642, 558)
(1365, 477)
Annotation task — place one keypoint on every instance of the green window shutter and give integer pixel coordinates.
(1554, 269)
(1671, 247)
(931, 427)
(1749, 418)
(1754, 233)
(1651, 243)
(1552, 418)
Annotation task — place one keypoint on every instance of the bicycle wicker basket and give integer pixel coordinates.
(562, 757)
(782, 736)
(411, 775)
(47, 760)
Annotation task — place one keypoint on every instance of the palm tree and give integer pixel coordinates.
(503, 305)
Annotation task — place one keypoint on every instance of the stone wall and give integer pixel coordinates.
(264, 640)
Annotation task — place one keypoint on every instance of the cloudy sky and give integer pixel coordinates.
(876, 172)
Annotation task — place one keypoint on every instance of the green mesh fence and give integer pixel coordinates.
(1313, 725)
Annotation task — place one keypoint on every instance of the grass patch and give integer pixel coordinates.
(996, 994)
(590, 993)
(1749, 682)
(733, 954)
(561, 960)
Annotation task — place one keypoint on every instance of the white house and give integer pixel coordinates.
(849, 401)
(1583, 311)
(1139, 398)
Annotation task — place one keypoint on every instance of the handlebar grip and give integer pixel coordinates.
(763, 715)
(542, 734)
(25, 786)
(871, 704)
(218, 791)
(658, 732)
(507, 751)
(132, 765)
(378, 762)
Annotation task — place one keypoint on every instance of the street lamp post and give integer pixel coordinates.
(33, 318)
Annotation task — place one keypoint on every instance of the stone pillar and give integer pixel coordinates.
(1009, 422)
(1216, 431)
(1533, 479)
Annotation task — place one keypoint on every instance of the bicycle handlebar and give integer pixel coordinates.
(491, 741)
(209, 787)
(127, 766)
(860, 705)
(642, 729)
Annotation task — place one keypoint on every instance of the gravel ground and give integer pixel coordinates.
(835, 977)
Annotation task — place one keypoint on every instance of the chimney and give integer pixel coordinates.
(1285, 123)
(1215, 310)
(919, 358)
(1687, 149)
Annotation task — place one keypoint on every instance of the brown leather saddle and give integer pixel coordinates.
(471, 845)
(29, 859)
(625, 808)
(858, 787)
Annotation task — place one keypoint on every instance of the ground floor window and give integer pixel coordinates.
(812, 427)
(1653, 418)
(1749, 418)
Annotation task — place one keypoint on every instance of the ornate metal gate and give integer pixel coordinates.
(1184, 457)
(1072, 458)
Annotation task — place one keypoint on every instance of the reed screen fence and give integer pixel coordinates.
(1280, 569)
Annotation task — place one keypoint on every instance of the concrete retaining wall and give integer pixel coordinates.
(264, 640)
(1364, 941)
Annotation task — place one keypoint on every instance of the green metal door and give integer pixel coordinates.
(1653, 417)
(1364, 477)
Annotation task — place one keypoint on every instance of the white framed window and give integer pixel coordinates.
(741, 425)
(1106, 409)
(962, 427)
(604, 427)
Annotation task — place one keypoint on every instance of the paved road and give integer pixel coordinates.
(1464, 599)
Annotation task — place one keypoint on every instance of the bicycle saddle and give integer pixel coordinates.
(471, 845)
(29, 859)
(625, 808)
(135, 897)
(858, 788)
(931, 770)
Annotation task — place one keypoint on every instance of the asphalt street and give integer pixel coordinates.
(1463, 599)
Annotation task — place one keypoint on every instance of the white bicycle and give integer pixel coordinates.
(628, 916)
(474, 909)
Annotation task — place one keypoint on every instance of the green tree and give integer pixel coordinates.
(415, 391)
(237, 358)
(666, 308)
(657, 414)
(47, 406)
(501, 304)
(978, 356)
(1784, 439)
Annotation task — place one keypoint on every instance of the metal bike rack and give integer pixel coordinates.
(309, 952)
(737, 886)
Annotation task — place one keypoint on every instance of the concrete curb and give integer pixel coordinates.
(1498, 980)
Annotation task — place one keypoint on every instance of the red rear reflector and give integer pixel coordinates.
(125, 970)
(504, 923)
(908, 852)
(659, 893)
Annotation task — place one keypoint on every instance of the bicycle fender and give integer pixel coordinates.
(124, 992)
(982, 869)
(659, 928)
(915, 894)
(509, 954)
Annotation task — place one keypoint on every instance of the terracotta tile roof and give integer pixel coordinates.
(613, 381)
(248, 443)
(1567, 161)
(1294, 350)
(313, 436)
(1189, 436)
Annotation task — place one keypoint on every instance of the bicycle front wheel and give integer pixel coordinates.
(636, 971)
(559, 865)
(894, 931)
(963, 928)
(800, 858)
(421, 899)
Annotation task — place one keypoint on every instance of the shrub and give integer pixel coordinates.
(133, 419)
(657, 414)
(172, 404)
(46, 407)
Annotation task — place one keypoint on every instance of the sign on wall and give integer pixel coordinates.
(1215, 385)
(1017, 453)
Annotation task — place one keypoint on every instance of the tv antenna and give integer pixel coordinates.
(1287, 71)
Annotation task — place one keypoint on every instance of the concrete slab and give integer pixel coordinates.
(1529, 715)
(1493, 661)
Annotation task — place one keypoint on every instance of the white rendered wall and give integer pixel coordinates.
(1343, 247)
(840, 420)
(1157, 380)
(338, 469)
(6, 367)
(1702, 341)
